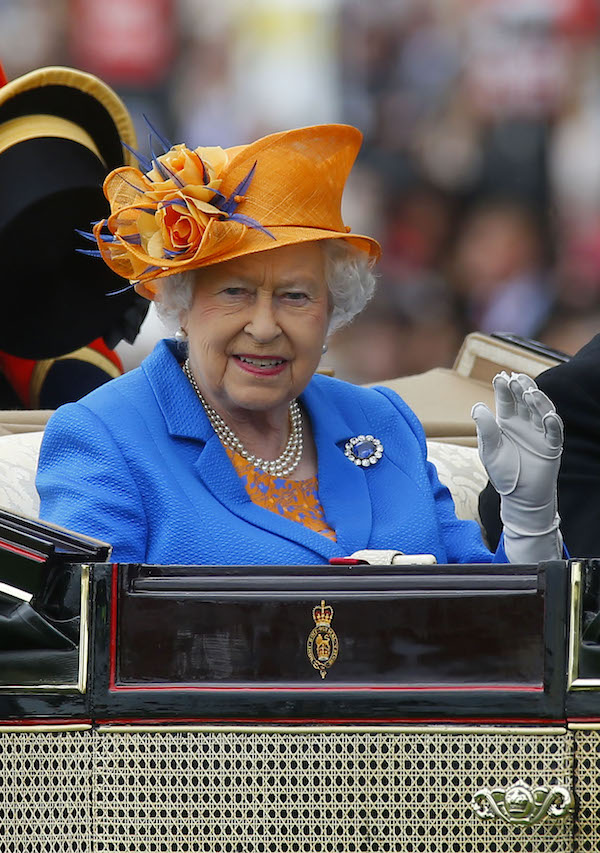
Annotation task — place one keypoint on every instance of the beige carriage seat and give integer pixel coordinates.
(18, 464)
(21, 434)
(26, 420)
(443, 398)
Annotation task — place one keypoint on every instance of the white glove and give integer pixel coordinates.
(521, 449)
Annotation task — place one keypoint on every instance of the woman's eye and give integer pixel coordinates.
(296, 296)
(235, 291)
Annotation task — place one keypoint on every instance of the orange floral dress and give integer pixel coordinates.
(297, 500)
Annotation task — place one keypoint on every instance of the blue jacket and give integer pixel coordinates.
(137, 464)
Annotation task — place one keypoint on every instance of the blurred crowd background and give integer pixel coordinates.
(480, 169)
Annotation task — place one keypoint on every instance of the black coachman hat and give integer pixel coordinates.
(61, 132)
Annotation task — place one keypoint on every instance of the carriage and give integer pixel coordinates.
(382, 703)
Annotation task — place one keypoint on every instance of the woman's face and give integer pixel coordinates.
(256, 327)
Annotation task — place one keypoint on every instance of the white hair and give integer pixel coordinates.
(348, 276)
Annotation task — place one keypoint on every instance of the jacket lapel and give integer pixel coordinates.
(183, 414)
(343, 486)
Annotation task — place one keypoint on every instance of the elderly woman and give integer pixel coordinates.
(225, 446)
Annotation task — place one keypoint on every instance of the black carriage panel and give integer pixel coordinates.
(330, 642)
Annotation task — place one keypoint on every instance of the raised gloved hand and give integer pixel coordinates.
(521, 448)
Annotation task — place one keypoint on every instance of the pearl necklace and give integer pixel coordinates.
(287, 462)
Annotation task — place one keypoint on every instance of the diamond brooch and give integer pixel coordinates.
(364, 450)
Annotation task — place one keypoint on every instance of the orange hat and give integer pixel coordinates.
(195, 208)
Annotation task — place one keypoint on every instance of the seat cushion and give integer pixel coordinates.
(460, 469)
(18, 465)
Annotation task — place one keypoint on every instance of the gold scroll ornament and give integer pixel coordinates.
(522, 804)
(322, 644)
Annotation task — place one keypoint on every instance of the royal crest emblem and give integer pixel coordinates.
(322, 643)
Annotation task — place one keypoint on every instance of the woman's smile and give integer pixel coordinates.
(265, 365)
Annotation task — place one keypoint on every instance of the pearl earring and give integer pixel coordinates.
(181, 335)
(324, 348)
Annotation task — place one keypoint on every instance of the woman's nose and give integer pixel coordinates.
(263, 325)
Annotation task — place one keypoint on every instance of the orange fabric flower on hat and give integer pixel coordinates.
(167, 216)
(196, 172)
(184, 200)
(179, 230)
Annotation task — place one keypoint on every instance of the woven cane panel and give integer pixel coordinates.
(45, 792)
(320, 792)
(587, 790)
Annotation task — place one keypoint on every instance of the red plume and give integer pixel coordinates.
(3, 79)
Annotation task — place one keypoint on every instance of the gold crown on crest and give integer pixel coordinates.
(322, 614)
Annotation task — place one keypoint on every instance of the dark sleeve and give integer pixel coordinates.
(574, 388)
(489, 514)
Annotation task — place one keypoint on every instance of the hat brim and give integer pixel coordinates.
(256, 241)
(285, 235)
(78, 97)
